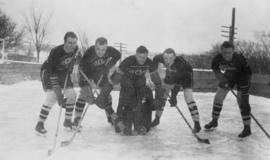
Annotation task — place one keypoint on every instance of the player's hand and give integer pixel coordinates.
(173, 101)
(159, 103)
(225, 84)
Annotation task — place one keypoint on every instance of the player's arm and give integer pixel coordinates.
(52, 63)
(116, 55)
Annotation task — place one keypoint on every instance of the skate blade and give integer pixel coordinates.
(133, 133)
(50, 152)
(128, 134)
(72, 130)
(211, 129)
(41, 134)
(141, 134)
(65, 143)
(75, 129)
(243, 138)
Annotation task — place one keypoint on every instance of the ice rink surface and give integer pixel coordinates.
(172, 139)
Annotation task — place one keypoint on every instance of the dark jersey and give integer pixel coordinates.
(180, 72)
(238, 66)
(59, 64)
(132, 68)
(180, 66)
(94, 66)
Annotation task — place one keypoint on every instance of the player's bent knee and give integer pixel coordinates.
(188, 95)
(70, 95)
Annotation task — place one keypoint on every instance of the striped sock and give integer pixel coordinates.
(216, 110)
(193, 111)
(80, 104)
(69, 111)
(44, 112)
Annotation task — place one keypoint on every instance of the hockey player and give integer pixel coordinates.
(231, 69)
(55, 75)
(135, 98)
(178, 72)
(95, 64)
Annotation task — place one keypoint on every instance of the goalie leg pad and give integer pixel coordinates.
(143, 109)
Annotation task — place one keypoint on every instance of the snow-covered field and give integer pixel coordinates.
(172, 139)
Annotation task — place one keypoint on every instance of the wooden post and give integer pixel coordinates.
(232, 28)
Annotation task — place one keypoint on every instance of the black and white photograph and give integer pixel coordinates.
(134, 79)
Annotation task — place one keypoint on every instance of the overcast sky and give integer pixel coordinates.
(188, 26)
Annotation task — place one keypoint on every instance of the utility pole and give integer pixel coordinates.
(122, 48)
(230, 29)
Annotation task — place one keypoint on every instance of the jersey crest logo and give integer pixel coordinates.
(137, 72)
(101, 61)
(225, 67)
(66, 61)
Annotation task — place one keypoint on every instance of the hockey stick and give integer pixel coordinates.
(67, 142)
(258, 123)
(201, 140)
(51, 151)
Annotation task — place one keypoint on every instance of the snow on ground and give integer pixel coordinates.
(172, 139)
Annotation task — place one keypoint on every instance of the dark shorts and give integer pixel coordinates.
(185, 80)
(241, 80)
(46, 82)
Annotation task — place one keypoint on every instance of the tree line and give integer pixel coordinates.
(256, 52)
(35, 30)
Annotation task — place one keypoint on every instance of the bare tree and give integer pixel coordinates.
(264, 39)
(36, 24)
(9, 32)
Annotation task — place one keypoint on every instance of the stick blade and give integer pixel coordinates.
(65, 143)
(206, 141)
(50, 152)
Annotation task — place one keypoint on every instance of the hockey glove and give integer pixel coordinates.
(115, 76)
(174, 92)
(155, 78)
(159, 103)
(173, 101)
(224, 83)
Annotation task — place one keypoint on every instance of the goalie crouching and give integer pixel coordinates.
(135, 99)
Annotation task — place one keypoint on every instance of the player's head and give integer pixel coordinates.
(101, 46)
(169, 56)
(227, 49)
(141, 54)
(70, 42)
